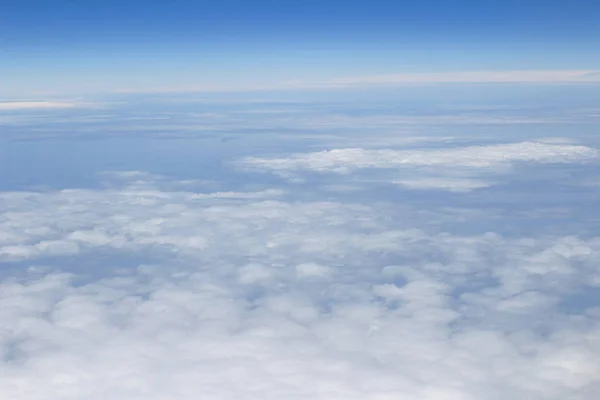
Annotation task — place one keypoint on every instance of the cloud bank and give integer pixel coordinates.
(134, 293)
(455, 169)
(341, 160)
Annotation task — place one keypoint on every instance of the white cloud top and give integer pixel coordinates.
(36, 105)
(138, 294)
(501, 155)
(448, 183)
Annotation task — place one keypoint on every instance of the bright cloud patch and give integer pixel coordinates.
(341, 160)
(455, 169)
(36, 105)
(451, 184)
(134, 293)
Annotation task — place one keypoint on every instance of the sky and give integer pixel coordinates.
(327, 200)
(74, 47)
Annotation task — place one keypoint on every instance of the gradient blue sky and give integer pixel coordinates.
(71, 46)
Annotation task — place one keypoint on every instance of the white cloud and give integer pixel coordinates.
(560, 76)
(266, 299)
(451, 184)
(36, 105)
(449, 168)
(342, 160)
(519, 77)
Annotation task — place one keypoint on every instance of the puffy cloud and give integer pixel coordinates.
(134, 293)
(500, 155)
(454, 168)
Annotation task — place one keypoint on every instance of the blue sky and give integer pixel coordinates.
(87, 46)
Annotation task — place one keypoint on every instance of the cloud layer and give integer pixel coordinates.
(342, 160)
(466, 77)
(564, 76)
(140, 293)
(449, 168)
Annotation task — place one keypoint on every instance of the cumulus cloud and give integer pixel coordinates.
(442, 168)
(341, 160)
(132, 294)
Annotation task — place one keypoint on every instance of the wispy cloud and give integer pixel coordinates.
(517, 77)
(500, 155)
(561, 76)
(38, 105)
(452, 184)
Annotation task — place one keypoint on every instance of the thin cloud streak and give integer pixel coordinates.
(37, 105)
(409, 79)
(575, 76)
